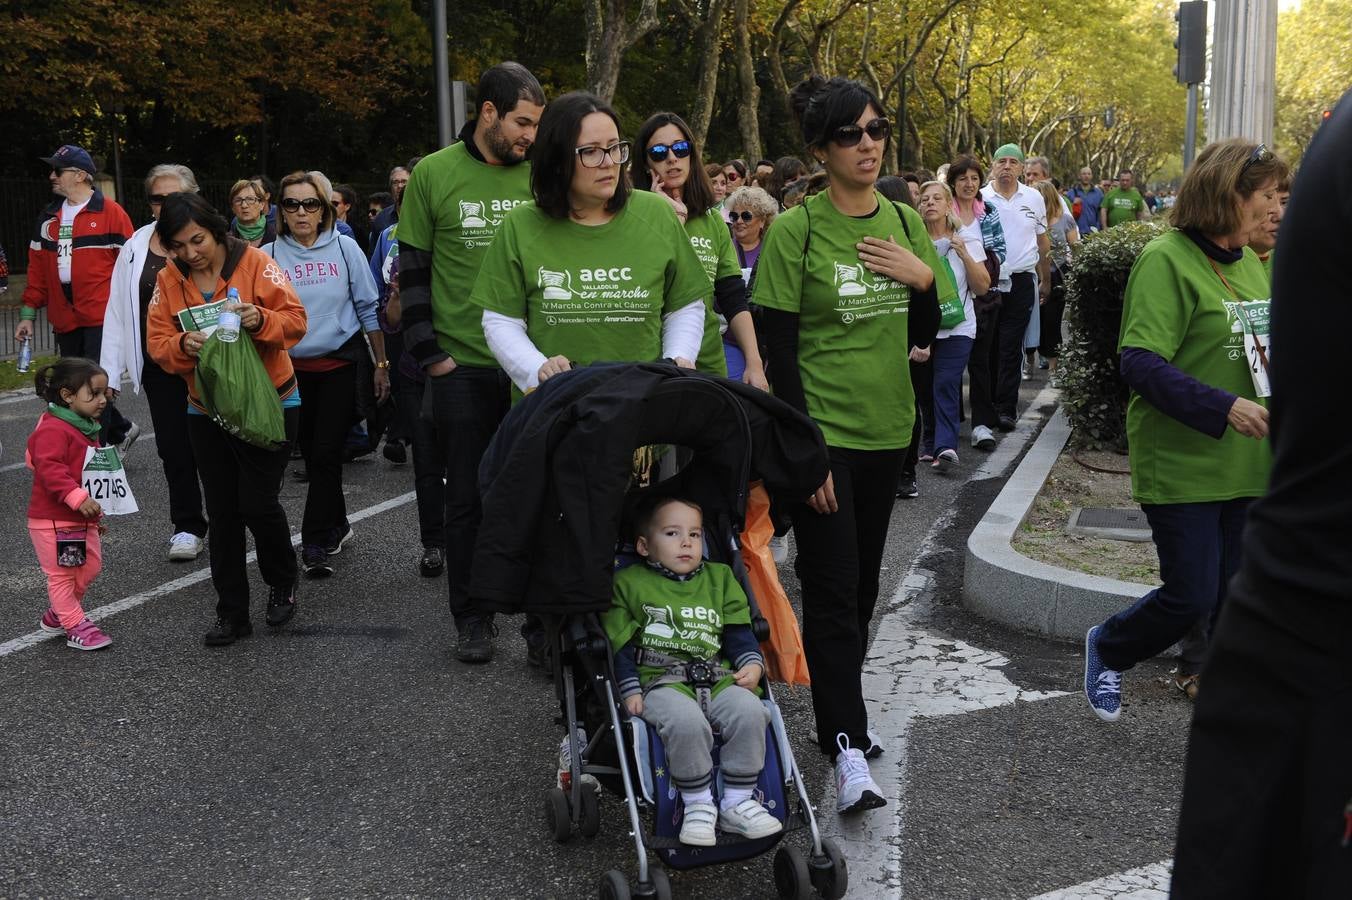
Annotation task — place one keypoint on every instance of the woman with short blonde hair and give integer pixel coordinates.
(250, 208)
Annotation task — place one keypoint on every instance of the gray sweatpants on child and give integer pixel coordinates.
(688, 739)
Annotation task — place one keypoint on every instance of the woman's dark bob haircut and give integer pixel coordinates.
(181, 210)
(698, 193)
(554, 155)
(822, 106)
(960, 166)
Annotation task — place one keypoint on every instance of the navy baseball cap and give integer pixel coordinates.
(69, 156)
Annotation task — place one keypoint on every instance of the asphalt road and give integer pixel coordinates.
(349, 755)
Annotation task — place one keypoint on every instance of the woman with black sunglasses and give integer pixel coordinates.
(847, 282)
(589, 272)
(333, 279)
(672, 169)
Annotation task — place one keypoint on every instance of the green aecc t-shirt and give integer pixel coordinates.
(1178, 306)
(852, 326)
(592, 293)
(453, 206)
(712, 242)
(1123, 206)
(684, 619)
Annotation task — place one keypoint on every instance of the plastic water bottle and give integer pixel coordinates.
(227, 326)
(25, 355)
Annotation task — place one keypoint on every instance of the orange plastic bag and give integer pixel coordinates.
(784, 659)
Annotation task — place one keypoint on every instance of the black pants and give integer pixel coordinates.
(327, 400)
(1016, 307)
(466, 408)
(922, 383)
(392, 418)
(88, 342)
(839, 558)
(1052, 313)
(1269, 770)
(981, 367)
(167, 396)
(429, 463)
(241, 483)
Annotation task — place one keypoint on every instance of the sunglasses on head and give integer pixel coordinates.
(851, 135)
(745, 215)
(1260, 154)
(309, 204)
(660, 152)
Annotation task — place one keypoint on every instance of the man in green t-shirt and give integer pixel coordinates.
(454, 202)
(1123, 203)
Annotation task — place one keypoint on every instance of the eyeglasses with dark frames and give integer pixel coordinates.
(850, 135)
(595, 157)
(156, 199)
(245, 201)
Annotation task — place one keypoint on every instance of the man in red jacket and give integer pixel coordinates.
(70, 268)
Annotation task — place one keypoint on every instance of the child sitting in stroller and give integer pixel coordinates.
(676, 622)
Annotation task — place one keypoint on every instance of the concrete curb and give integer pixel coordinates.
(1008, 587)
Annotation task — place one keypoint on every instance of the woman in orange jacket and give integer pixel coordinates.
(240, 482)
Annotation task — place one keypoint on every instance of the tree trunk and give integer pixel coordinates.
(609, 34)
(776, 59)
(709, 51)
(748, 92)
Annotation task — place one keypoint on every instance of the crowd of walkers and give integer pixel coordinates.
(544, 239)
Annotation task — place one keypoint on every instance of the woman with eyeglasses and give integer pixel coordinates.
(1194, 345)
(333, 280)
(750, 210)
(124, 349)
(672, 169)
(845, 280)
(249, 204)
(591, 271)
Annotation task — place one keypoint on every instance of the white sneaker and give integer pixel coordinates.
(856, 790)
(697, 828)
(983, 438)
(749, 819)
(779, 548)
(185, 547)
(947, 457)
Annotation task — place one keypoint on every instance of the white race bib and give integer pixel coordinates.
(106, 481)
(1254, 317)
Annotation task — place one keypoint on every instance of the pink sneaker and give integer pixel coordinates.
(51, 623)
(87, 636)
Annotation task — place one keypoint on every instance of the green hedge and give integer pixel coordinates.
(1092, 391)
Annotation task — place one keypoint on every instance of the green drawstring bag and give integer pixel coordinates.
(237, 392)
(951, 311)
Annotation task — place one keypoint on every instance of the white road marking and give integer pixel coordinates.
(910, 673)
(1146, 883)
(192, 578)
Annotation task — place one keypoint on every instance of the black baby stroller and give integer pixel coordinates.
(558, 486)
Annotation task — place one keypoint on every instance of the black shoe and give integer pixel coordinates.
(433, 562)
(1007, 423)
(474, 641)
(537, 649)
(225, 632)
(395, 452)
(342, 536)
(906, 489)
(281, 604)
(315, 561)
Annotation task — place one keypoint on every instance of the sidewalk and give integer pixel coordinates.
(1005, 586)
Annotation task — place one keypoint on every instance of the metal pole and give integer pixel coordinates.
(442, 64)
(117, 164)
(1190, 131)
(459, 104)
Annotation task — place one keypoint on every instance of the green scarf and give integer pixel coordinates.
(252, 232)
(87, 427)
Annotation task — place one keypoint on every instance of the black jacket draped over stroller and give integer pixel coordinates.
(554, 480)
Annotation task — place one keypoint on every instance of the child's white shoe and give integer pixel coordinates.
(749, 819)
(697, 829)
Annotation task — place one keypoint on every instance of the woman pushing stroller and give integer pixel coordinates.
(675, 621)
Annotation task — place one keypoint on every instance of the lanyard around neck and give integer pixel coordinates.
(1217, 269)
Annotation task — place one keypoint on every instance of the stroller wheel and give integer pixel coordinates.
(793, 881)
(657, 888)
(829, 872)
(613, 886)
(589, 818)
(557, 815)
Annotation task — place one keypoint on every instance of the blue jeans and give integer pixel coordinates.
(948, 359)
(1199, 547)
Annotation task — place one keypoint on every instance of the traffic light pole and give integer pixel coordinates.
(1190, 130)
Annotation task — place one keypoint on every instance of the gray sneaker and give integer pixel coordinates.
(983, 438)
